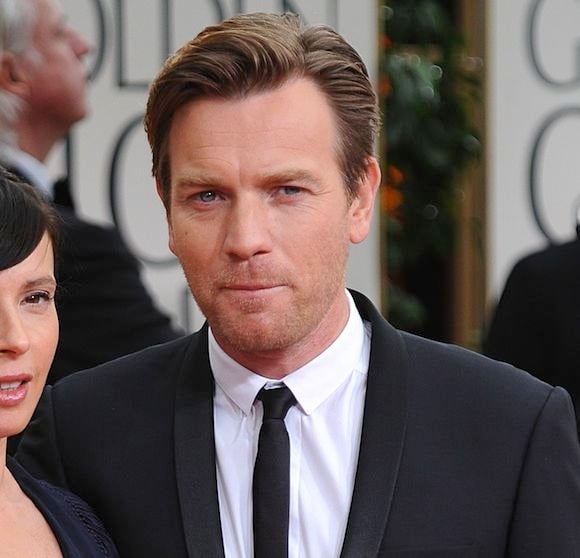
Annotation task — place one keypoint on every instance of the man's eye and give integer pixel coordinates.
(291, 190)
(208, 196)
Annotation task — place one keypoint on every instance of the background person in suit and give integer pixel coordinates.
(536, 323)
(36, 519)
(105, 310)
(262, 132)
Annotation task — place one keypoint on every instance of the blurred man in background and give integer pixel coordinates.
(104, 308)
(536, 324)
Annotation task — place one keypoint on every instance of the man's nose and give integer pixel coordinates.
(248, 229)
(81, 46)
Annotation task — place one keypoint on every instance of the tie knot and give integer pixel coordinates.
(276, 402)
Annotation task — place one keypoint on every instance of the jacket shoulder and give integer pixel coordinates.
(150, 364)
(459, 364)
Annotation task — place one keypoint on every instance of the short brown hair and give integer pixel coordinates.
(257, 52)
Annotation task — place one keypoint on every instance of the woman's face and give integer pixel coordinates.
(28, 335)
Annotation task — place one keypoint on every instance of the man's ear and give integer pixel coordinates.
(361, 208)
(165, 201)
(13, 75)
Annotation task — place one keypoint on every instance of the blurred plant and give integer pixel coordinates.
(426, 91)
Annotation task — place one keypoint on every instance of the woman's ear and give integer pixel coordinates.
(361, 208)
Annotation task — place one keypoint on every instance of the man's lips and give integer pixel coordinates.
(248, 287)
(252, 292)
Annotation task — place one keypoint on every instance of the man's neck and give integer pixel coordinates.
(36, 148)
(37, 137)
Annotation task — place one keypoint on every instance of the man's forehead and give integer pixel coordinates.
(284, 105)
(46, 13)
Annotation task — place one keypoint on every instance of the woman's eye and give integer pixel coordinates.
(38, 298)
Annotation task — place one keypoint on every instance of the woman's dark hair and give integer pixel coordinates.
(24, 218)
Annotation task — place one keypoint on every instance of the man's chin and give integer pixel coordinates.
(254, 334)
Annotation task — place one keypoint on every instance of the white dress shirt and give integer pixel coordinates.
(35, 171)
(324, 428)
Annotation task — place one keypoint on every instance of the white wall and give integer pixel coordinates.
(131, 40)
(534, 102)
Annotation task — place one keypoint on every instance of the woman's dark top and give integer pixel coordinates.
(77, 529)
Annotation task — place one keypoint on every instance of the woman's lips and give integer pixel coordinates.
(13, 389)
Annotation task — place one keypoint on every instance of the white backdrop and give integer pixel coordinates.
(131, 39)
(534, 128)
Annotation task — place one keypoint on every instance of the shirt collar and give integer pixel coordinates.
(33, 170)
(311, 384)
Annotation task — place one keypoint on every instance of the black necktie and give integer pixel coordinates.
(271, 487)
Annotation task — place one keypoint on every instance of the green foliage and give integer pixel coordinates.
(428, 91)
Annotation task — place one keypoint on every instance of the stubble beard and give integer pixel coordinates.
(255, 326)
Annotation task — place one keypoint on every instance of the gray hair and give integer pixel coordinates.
(16, 26)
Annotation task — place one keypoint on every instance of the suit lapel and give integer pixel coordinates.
(382, 437)
(195, 453)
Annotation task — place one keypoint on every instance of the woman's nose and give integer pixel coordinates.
(13, 335)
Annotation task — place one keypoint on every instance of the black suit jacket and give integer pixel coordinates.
(536, 324)
(460, 455)
(104, 309)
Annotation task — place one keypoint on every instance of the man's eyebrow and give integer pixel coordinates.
(198, 179)
(289, 175)
(204, 179)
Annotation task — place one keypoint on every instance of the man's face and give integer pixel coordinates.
(260, 220)
(56, 73)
